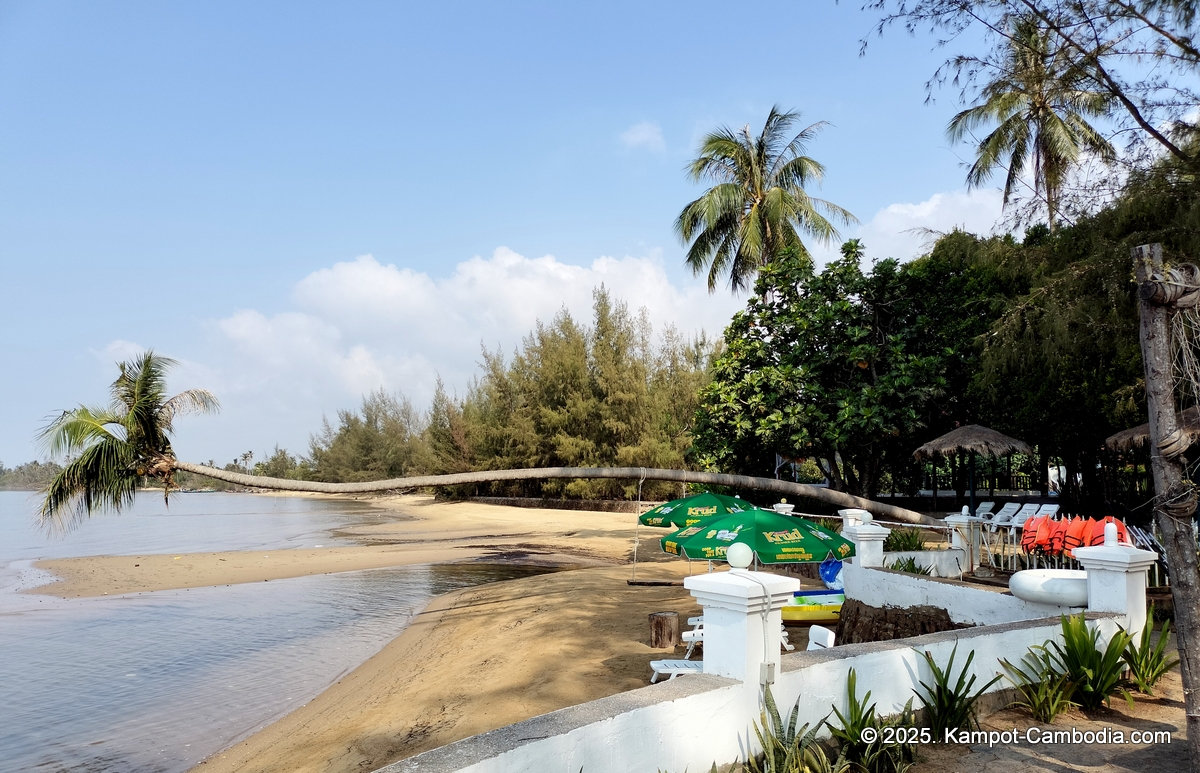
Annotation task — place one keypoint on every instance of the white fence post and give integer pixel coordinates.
(742, 621)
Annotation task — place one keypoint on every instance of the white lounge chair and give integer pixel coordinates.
(984, 510)
(819, 638)
(1023, 515)
(783, 639)
(1048, 510)
(675, 668)
(696, 634)
(1003, 516)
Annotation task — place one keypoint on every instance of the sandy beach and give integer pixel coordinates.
(474, 660)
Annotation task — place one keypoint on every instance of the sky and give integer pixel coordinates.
(305, 202)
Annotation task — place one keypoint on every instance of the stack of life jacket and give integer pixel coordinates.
(1047, 536)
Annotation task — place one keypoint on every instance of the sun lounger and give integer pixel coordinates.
(1048, 510)
(1003, 516)
(820, 638)
(1024, 514)
(984, 510)
(674, 668)
(690, 638)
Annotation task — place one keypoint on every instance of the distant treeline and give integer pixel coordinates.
(30, 476)
(605, 394)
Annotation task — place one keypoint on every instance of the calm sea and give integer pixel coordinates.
(158, 681)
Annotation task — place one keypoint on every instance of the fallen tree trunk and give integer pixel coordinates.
(838, 498)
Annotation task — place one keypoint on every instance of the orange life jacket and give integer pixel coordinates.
(1029, 535)
(1076, 534)
(1045, 531)
(1058, 536)
(1096, 533)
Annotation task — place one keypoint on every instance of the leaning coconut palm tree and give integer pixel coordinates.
(1039, 101)
(111, 448)
(758, 206)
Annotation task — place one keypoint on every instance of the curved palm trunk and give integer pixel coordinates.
(629, 473)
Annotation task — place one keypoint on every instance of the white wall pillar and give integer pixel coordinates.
(868, 543)
(965, 537)
(1116, 576)
(742, 621)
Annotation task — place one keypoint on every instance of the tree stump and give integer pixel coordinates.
(664, 630)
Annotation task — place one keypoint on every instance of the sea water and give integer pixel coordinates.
(155, 682)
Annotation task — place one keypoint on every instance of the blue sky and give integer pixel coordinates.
(303, 202)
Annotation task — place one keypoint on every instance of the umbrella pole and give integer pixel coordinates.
(637, 524)
(971, 478)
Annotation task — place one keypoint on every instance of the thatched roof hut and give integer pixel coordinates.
(1129, 439)
(972, 439)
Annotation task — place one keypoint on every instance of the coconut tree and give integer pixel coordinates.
(1039, 101)
(110, 448)
(758, 205)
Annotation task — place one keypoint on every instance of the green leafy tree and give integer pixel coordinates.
(1039, 99)
(819, 366)
(758, 205)
(110, 448)
(383, 440)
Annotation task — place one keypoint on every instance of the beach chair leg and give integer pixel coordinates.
(654, 678)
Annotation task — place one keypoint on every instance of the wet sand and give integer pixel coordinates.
(437, 532)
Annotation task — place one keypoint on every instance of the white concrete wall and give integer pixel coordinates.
(696, 720)
(951, 562)
(964, 603)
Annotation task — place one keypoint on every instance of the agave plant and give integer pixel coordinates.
(1045, 690)
(1149, 662)
(881, 755)
(787, 748)
(111, 448)
(1097, 673)
(949, 703)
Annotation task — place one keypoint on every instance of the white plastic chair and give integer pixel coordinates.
(1048, 510)
(674, 668)
(819, 638)
(1003, 516)
(784, 640)
(1023, 515)
(696, 634)
(985, 510)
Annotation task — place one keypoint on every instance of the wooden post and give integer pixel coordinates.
(1175, 498)
(664, 630)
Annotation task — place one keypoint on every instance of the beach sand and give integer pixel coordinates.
(474, 660)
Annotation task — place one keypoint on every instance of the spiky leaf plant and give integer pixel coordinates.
(1149, 662)
(1097, 673)
(949, 703)
(1045, 690)
(788, 748)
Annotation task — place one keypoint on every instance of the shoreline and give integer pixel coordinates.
(430, 532)
(473, 660)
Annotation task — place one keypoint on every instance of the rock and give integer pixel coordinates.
(862, 623)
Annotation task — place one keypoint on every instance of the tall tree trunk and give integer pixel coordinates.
(1174, 497)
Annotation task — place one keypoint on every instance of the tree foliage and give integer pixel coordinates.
(821, 365)
(109, 449)
(759, 205)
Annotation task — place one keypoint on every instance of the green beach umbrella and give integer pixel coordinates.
(691, 510)
(775, 538)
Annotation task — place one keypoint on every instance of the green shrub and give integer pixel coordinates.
(1147, 663)
(1097, 674)
(949, 703)
(910, 565)
(884, 754)
(1045, 689)
(899, 540)
(787, 748)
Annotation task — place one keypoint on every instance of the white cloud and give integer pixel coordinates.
(360, 325)
(646, 134)
(905, 231)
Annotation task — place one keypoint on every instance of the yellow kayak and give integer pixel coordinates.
(814, 606)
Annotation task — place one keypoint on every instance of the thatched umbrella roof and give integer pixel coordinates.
(972, 438)
(1129, 439)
